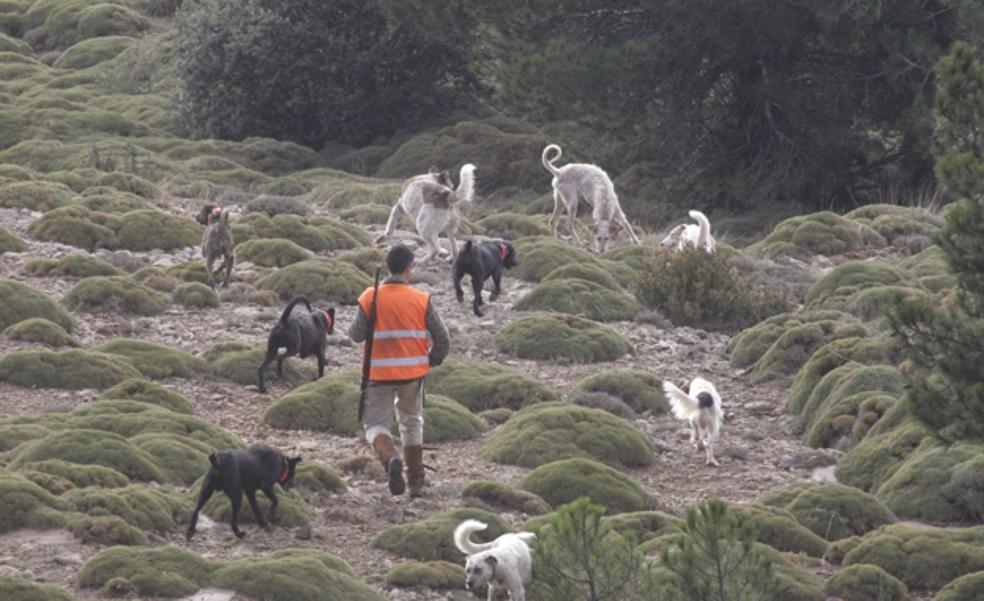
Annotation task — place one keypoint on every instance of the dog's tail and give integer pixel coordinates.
(683, 405)
(290, 307)
(549, 163)
(462, 537)
(466, 184)
(526, 537)
(705, 228)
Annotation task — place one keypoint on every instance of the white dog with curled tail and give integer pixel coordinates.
(504, 562)
(697, 235)
(701, 407)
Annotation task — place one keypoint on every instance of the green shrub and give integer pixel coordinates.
(132, 418)
(966, 588)
(823, 233)
(835, 511)
(292, 510)
(76, 226)
(512, 226)
(315, 234)
(537, 256)
(73, 23)
(14, 433)
(642, 526)
(107, 530)
(97, 447)
(327, 405)
(481, 386)
(847, 420)
(194, 294)
(9, 243)
(39, 329)
(547, 432)
(82, 266)
(127, 183)
(56, 485)
(316, 477)
(780, 530)
(280, 205)
(27, 505)
(148, 392)
(563, 481)
(142, 507)
(366, 259)
(154, 360)
(844, 381)
(862, 582)
(852, 276)
(431, 539)
(272, 252)
(153, 572)
(881, 453)
(72, 369)
(19, 302)
(34, 195)
(81, 475)
(318, 279)
(838, 549)
(239, 362)
(446, 419)
(377, 214)
(639, 389)
(700, 289)
(505, 496)
(751, 344)
(91, 52)
(579, 297)
(546, 337)
(19, 589)
(584, 271)
(115, 293)
(190, 271)
(432, 574)
(114, 202)
(147, 230)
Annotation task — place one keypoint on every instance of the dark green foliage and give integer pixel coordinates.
(547, 432)
(318, 280)
(154, 360)
(835, 511)
(145, 508)
(566, 480)
(779, 529)
(91, 52)
(560, 337)
(153, 572)
(106, 530)
(539, 255)
(481, 386)
(39, 329)
(9, 243)
(191, 271)
(862, 582)
(431, 539)
(277, 205)
(148, 392)
(371, 213)
(14, 433)
(328, 405)
(639, 389)
(20, 589)
(35, 196)
(432, 574)
(19, 302)
(73, 369)
(512, 226)
(195, 294)
(579, 297)
(81, 475)
(239, 362)
(584, 271)
(823, 233)
(695, 288)
(273, 252)
(314, 476)
(966, 588)
(832, 395)
(882, 451)
(115, 293)
(505, 496)
(76, 226)
(147, 230)
(27, 505)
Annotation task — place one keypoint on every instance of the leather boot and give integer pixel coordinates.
(414, 456)
(390, 458)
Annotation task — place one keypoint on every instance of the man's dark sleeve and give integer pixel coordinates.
(440, 339)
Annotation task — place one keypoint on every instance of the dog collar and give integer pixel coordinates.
(329, 320)
(502, 251)
(284, 475)
(215, 213)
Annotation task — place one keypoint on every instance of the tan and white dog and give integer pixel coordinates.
(697, 235)
(504, 562)
(430, 201)
(591, 182)
(701, 407)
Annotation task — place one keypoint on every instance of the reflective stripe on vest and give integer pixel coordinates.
(400, 342)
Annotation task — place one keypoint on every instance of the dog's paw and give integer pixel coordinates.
(460, 296)
(240, 534)
(189, 534)
(493, 296)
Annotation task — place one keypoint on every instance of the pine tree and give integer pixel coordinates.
(945, 344)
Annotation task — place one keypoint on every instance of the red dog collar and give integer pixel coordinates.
(283, 476)
(502, 251)
(329, 320)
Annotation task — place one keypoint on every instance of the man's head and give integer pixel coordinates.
(399, 259)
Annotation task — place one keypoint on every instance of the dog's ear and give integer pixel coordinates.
(294, 460)
(491, 560)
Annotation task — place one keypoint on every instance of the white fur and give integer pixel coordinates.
(431, 220)
(705, 424)
(504, 562)
(591, 182)
(697, 235)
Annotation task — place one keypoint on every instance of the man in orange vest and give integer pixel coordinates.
(401, 357)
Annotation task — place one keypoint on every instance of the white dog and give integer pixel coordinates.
(503, 562)
(702, 409)
(691, 234)
(591, 182)
(430, 201)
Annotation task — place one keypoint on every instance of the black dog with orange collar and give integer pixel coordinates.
(482, 261)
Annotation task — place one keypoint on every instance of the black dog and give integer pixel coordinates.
(481, 261)
(302, 336)
(238, 471)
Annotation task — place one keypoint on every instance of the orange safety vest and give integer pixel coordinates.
(399, 343)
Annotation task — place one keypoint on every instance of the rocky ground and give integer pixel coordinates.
(759, 450)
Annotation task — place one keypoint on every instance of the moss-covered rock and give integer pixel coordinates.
(823, 233)
(579, 297)
(563, 481)
(20, 589)
(863, 582)
(583, 271)
(506, 497)
(73, 369)
(481, 386)
(34, 195)
(75, 225)
(512, 226)
(9, 243)
(431, 539)
(115, 293)
(314, 476)
(779, 529)
(432, 574)
(966, 588)
(147, 230)
(27, 505)
(107, 530)
(546, 337)
(80, 475)
(835, 511)
(318, 279)
(136, 389)
(639, 389)
(43, 331)
(154, 360)
(19, 302)
(328, 405)
(272, 252)
(153, 572)
(194, 294)
(547, 432)
(239, 362)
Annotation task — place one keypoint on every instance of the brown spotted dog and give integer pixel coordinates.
(217, 242)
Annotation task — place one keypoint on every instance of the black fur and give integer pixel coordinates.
(481, 261)
(302, 335)
(705, 400)
(238, 471)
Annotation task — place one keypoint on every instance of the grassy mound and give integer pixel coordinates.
(547, 432)
(547, 337)
(96, 447)
(151, 572)
(347, 191)
(837, 550)
(579, 297)
(114, 202)
(76, 226)
(145, 508)
(432, 574)
(445, 419)
(835, 394)
(897, 223)
(81, 475)
(328, 405)
(839, 288)
(91, 52)
(27, 505)
(20, 301)
(315, 234)
(154, 360)
(20, 589)
(316, 477)
(115, 293)
(639, 389)
(277, 205)
(34, 195)
(845, 422)
(643, 526)
(512, 226)
(482, 386)
(38, 329)
(835, 511)
(584, 271)
(563, 481)
(195, 294)
(148, 392)
(430, 540)
(780, 530)
(506, 497)
(882, 451)
(272, 252)
(862, 582)
(147, 230)
(9, 243)
(537, 256)
(73, 369)
(292, 510)
(823, 233)
(372, 214)
(107, 530)
(966, 588)
(239, 362)
(366, 259)
(319, 280)
(75, 265)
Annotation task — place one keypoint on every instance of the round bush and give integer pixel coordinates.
(190, 271)
(579, 297)
(482, 386)
(318, 279)
(835, 511)
(73, 369)
(34, 195)
(107, 530)
(114, 202)
(194, 294)
(372, 214)
(639, 389)
(147, 230)
(512, 226)
(852, 276)
(97, 447)
(20, 589)
(277, 205)
(39, 329)
(272, 252)
(316, 477)
(9, 243)
(366, 259)
(547, 432)
(847, 380)
(291, 512)
(823, 233)
(862, 582)
(91, 52)
(133, 418)
(778, 529)
(445, 419)
(506, 497)
(564, 481)
(327, 405)
(19, 302)
(151, 571)
(431, 539)
(966, 588)
(547, 337)
(27, 505)
(81, 475)
(432, 574)
(315, 234)
(143, 391)
(82, 266)
(154, 360)
(115, 293)
(539, 255)
(583, 271)
(240, 362)
(76, 226)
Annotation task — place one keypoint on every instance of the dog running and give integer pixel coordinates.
(245, 471)
(482, 261)
(697, 235)
(301, 335)
(701, 407)
(504, 562)
(217, 242)
(591, 182)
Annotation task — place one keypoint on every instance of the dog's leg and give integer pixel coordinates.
(572, 219)
(477, 290)
(693, 434)
(394, 218)
(321, 362)
(270, 356)
(271, 495)
(208, 487)
(497, 282)
(251, 497)
(558, 209)
(208, 271)
(628, 228)
(709, 452)
(491, 595)
(456, 279)
(227, 264)
(237, 503)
